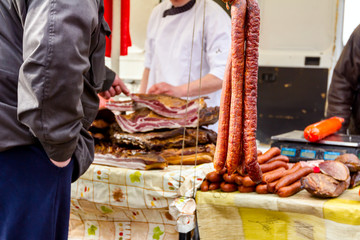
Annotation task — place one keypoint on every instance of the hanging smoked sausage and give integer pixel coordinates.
(234, 156)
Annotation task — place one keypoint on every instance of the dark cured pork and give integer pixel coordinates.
(323, 186)
(162, 139)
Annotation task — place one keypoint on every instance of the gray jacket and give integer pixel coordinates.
(51, 68)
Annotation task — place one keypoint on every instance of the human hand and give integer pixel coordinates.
(165, 88)
(61, 164)
(116, 88)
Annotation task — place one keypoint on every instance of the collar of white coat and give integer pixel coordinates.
(176, 10)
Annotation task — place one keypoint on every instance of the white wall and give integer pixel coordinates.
(351, 18)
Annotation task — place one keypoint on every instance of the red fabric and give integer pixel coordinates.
(108, 19)
(125, 26)
(125, 29)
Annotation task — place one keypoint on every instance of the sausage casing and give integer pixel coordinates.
(290, 190)
(266, 156)
(238, 13)
(267, 167)
(224, 116)
(288, 179)
(250, 90)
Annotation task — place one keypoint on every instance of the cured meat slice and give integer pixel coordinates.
(133, 159)
(161, 104)
(121, 106)
(162, 139)
(335, 169)
(138, 162)
(323, 186)
(145, 120)
(354, 179)
(168, 106)
(187, 156)
(350, 160)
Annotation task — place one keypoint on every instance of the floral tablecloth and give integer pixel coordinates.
(266, 216)
(117, 203)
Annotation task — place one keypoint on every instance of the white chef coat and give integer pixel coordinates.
(170, 39)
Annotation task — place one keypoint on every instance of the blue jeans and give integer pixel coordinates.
(34, 195)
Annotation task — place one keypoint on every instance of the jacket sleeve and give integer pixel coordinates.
(109, 79)
(56, 44)
(344, 83)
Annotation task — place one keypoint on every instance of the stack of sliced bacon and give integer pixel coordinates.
(152, 111)
(155, 128)
(236, 145)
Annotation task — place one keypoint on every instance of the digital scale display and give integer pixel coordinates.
(290, 152)
(311, 154)
(297, 148)
(331, 155)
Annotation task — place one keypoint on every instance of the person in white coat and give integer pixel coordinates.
(175, 45)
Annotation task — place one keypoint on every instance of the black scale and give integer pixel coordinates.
(297, 148)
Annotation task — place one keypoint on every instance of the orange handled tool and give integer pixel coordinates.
(322, 129)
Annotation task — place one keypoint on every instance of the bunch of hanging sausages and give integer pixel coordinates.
(236, 143)
(279, 176)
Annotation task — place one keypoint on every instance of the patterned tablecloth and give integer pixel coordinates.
(255, 216)
(116, 203)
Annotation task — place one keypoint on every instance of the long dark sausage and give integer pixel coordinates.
(238, 13)
(224, 116)
(250, 87)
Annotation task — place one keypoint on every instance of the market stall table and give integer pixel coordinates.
(266, 216)
(117, 203)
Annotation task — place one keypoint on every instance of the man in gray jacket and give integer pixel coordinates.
(51, 69)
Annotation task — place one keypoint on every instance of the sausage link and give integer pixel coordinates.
(279, 158)
(290, 190)
(262, 188)
(271, 186)
(204, 186)
(228, 187)
(222, 171)
(230, 178)
(214, 186)
(241, 168)
(238, 13)
(247, 182)
(266, 156)
(288, 179)
(244, 189)
(250, 90)
(214, 177)
(224, 116)
(267, 167)
(294, 168)
(273, 175)
(239, 180)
